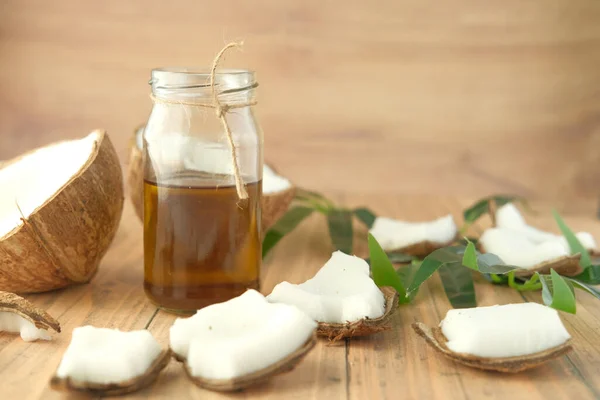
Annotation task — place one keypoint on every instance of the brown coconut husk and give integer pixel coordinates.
(436, 339)
(114, 389)
(422, 249)
(255, 378)
(64, 240)
(274, 205)
(10, 302)
(566, 266)
(365, 326)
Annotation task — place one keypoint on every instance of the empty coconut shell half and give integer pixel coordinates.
(276, 197)
(436, 339)
(62, 204)
(114, 389)
(241, 382)
(11, 303)
(365, 326)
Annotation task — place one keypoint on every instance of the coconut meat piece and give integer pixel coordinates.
(394, 234)
(341, 291)
(273, 183)
(14, 323)
(509, 217)
(105, 356)
(503, 330)
(240, 336)
(35, 178)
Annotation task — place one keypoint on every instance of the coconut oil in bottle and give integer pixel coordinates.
(202, 188)
(201, 242)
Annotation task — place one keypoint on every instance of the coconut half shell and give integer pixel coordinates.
(242, 382)
(274, 205)
(62, 242)
(566, 266)
(422, 249)
(10, 302)
(365, 326)
(114, 389)
(436, 339)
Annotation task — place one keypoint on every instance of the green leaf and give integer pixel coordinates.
(400, 258)
(283, 226)
(340, 230)
(557, 292)
(458, 285)
(469, 259)
(482, 207)
(580, 285)
(366, 216)
(490, 263)
(590, 275)
(407, 273)
(433, 262)
(383, 271)
(574, 243)
(315, 200)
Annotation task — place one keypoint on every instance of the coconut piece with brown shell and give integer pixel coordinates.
(277, 191)
(342, 298)
(59, 211)
(417, 239)
(18, 315)
(109, 362)
(509, 338)
(515, 248)
(241, 342)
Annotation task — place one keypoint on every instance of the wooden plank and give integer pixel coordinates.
(399, 362)
(115, 299)
(322, 374)
(441, 88)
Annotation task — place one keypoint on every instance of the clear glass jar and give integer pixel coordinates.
(202, 242)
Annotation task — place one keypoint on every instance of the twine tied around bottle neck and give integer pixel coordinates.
(220, 111)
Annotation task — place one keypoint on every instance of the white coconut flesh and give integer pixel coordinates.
(341, 291)
(14, 323)
(198, 155)
(28, 184)
(503, 330)
(509, 217)
(240, 336)
(394, 234)
(108, 356)
(273, 183)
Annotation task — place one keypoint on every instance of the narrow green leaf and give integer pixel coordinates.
(407, 273)
(383, 271)
(366, 216)
(430, 264)
(557, 292)
(490, 263)
(458, 285)
(580, 285)
(574, 243)
(590, 275)
(400, 258)
(469, 259)
(283, 226)
(340, 230)
(482, 207)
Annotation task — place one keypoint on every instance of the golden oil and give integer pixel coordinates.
(202, 243)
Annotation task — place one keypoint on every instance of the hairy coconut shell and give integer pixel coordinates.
(63, 241)
(254, 378)
(422, 249)
(274, 205)
(365, 326)
(566, 266)
(114, 389)
(436, 339)
(10, 302)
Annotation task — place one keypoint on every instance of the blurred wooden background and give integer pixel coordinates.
(459, 97)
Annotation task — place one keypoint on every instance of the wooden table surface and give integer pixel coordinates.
(391, 365)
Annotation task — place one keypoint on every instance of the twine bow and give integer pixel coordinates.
(220, 111)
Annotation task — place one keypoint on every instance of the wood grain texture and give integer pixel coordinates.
(463, 97)
(389, 365)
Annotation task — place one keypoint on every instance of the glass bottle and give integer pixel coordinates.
(202, 240)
